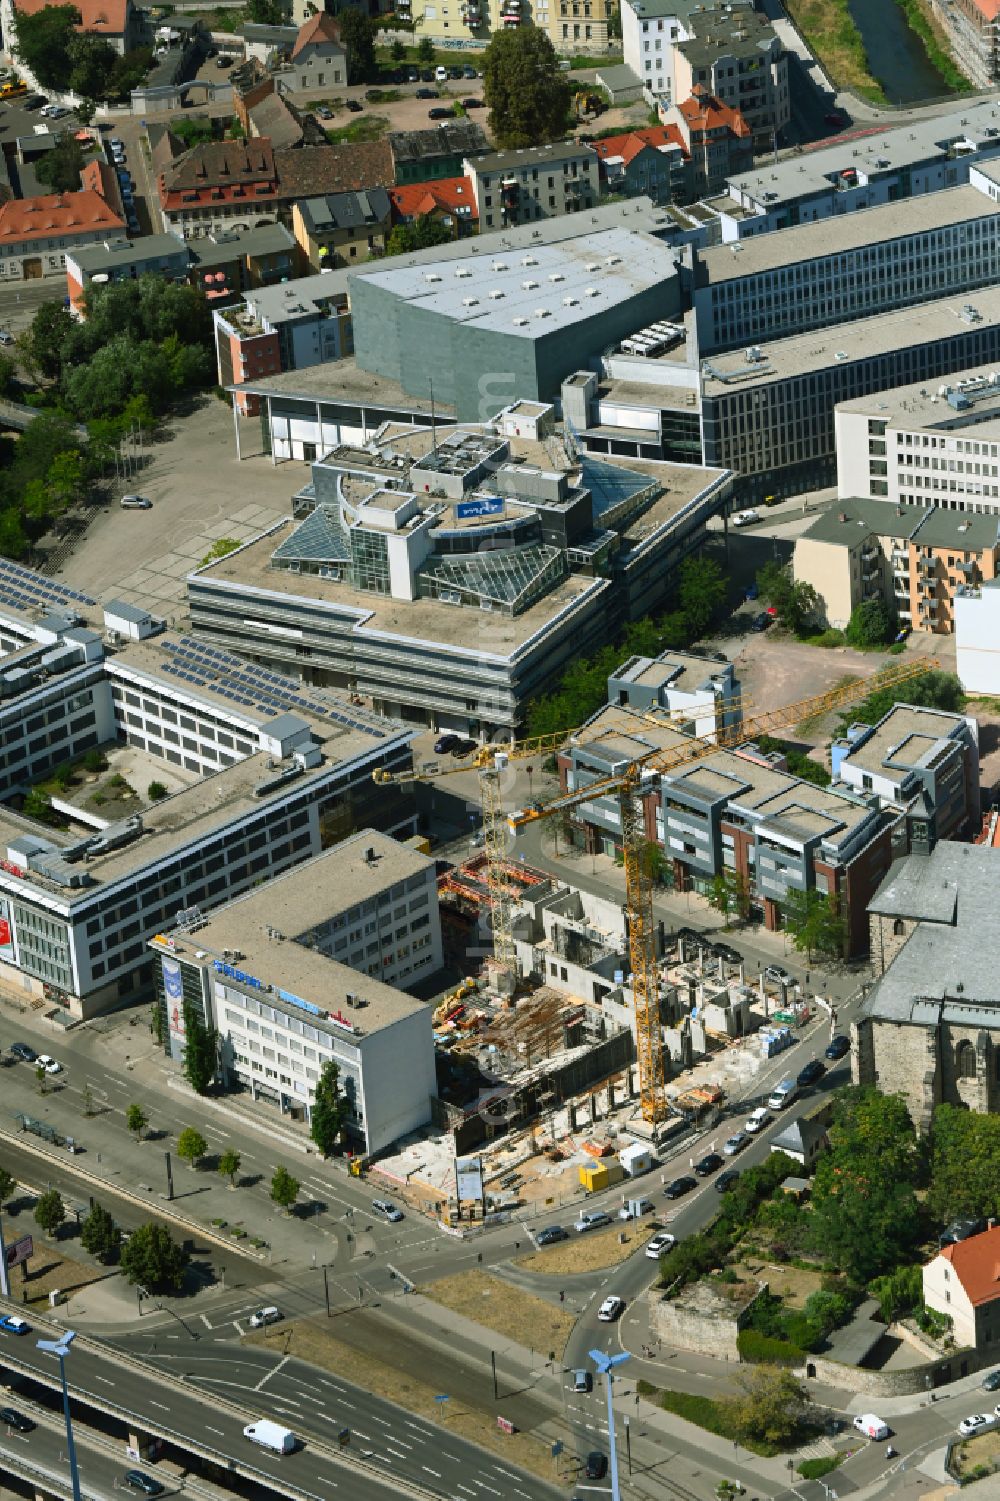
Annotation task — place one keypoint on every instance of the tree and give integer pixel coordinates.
(872, 623)
(93, 62)
(85, 111)
(424, 232)
(8, 1183)
(155, 791)
(191, 1146)
(8, 376)
(964, 1165)
(50, 1212)
(730, 892)
(397, 51)
(814, 923)
(100, 1235)
(266, 12)
(43, 344)
(201, 1050)
(772, 1406)
(527, 96)
(931, 690)
(357, 37)
(865, 1215)
(797, 603)
(37, 804)
(284, 1188)
(702, 593)
(425, 50)
(329, 1111)
(151, 1258)
(229, 1165)
(136, 1120)
(43, 43)
(41, 1078)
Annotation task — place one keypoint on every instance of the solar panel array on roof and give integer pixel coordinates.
(253, 687)
(27, 590)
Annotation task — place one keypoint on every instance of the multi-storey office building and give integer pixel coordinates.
(823, 273)
(651, 32)
(925, 444)
(738, 811)
(265, 776)
(690, 688)
(265, 971)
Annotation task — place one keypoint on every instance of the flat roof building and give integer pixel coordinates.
(266, 972)
(250, 775)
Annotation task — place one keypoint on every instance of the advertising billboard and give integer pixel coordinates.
(469, 1178)
(174, 992)
(489, 505)
(21, 1250)
(7, 955)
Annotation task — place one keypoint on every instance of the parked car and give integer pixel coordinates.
(454, 72)
(5, 337)
(34, 101)
(137, 1480)
(596, 1466)
(550, 1235)
(591, 1219)
(746, 518)
(834, 120)
(355, 106)
(978, 1422)
(660, 1245)
(727, 952)
(265, 1316)
(444, 743)
(50, 1065)
(56, 111)
(440, 74)
(710, 1163)
(24, 1052)
(778, 975)
(612, 1308)
(225, 62)
(16, 1420)
(473, 103)
(752, 592)
(324, 112)
(427, 94)
(680, 1186)
(735, 1143)
(838, 1047)
(461, 747)
(725, 1181)
(427, 75)
(760, 622)
(12, 1324)
(413, 75)
(387, 1209)
(991, 1381)
(872, 1426)
(583, 1381)
(440, 112)
(810, 1072)
(469, 71)
(758, 1120)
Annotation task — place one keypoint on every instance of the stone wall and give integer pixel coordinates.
(705, 1318)
(901, 1059)
(900, 1383)
(885, 941)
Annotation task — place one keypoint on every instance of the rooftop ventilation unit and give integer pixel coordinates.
(499, 266)
(463, 271)
(591, 292)
(529, 286)
(431, 276)
(496, 293)
(470, 301)
(542, 312)
(529, 260)
(556, 276)
(613, 260)
(520, 322)
(593, 266)
(571, 302)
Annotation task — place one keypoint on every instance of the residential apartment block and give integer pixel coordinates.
(917, 560)
(737, 811)
(651, 161)
(37, 233)
(289, 327)
(960, 1283)
(342, 229)
(259, 776)
(571, 25)
(717, 140)
(683, 687)
(273, 973)
(521, 187)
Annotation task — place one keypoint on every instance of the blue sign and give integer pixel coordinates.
(172, 979)
(231, 973)
(296, 1000)
(488, 506)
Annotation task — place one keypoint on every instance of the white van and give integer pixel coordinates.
(871, 1426)
(268, 1435)
(783, 1095)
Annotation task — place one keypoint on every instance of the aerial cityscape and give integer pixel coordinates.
(500, 750)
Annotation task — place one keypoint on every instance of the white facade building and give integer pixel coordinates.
(977, 638)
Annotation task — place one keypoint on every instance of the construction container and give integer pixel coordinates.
(636, 1159)
(595, 1176)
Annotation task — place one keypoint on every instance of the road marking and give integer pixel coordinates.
(273, 1372)
(453, 1457)
(331, 1384)
(403, 1442)
(111, 1383)
(501, 1471)
(384, 1421)
(430, 1471)
(216, 1132)
(215, 1430)
(348, 1404)
(237, 1326)
(484, 1487)
(204, 1320)
(162, 1405)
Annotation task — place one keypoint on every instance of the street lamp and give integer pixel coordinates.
(60, 1347)
(605, 1367)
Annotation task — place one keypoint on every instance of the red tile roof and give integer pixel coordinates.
(445, 195)
(977, 1265)
(988, 9)
(99, 17)
(99, 176)
(318, 31)
(703, 111)
(56, 215)
(217, 172)
(631, 142)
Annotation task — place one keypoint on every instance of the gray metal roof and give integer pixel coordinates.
(120, 251)
(533, 156)
(345, 210)
(931, 527)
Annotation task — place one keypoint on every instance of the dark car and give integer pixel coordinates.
(680, 1187)
(760, 622)
(989, 1383)
(225, 62)
(413, 75)
(355, 106)
(135, 1480)
(16, 1420)
(708, 1164)
(725, 1181)
(444, 743)
(833, 119)
(810, 1072)
(461, 747)
(440, 112)
(426, 94)
(691, 935)
(324, 112)
(473, 103)
(730, 955)
(778, 975)
(34, 101)
(23, 1051)
(838, 1047)
(454, 72)
(550, 1235)
(469, 71)
(596, 1466)
(427, 75)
